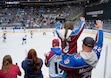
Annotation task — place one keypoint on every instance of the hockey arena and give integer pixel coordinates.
(20, 18)
(42, 44)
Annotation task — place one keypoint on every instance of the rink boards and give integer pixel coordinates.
(15, 49)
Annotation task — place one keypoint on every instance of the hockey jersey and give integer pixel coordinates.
(80, 65)
(72, 37)
(52, 61)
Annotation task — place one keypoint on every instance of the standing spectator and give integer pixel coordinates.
(2, 75)
(9, 69)
(52, 59)
(80, 65)
(69, 36)
(32, 65)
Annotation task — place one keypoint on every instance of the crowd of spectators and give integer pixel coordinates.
(35, 17)
(43, 16)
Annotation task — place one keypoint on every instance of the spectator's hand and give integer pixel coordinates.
(99, 24)
(82, 18)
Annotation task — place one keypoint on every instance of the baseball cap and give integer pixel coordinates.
(55, 42)
(88, 41)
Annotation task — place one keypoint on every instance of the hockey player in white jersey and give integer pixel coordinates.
(4, 37)
(31, 33)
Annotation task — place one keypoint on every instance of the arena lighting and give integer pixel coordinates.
(14, 2)
(51, 2)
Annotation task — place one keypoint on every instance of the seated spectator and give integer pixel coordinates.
(32, 65)
(9, 69)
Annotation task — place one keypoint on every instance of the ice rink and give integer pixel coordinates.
(42, 44)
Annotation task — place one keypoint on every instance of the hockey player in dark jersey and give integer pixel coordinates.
(24, 40)
(69, 36)
(80, 65)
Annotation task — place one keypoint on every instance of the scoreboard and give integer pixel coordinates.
(102, 11)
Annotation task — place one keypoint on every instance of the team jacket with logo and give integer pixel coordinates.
(52, 61)
(72, 37)
(80, 65)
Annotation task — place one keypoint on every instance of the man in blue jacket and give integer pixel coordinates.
(80, 65)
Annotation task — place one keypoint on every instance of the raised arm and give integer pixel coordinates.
(80, 28)
(58, 27)
(99, 38)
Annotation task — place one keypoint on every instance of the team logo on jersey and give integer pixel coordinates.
(77, 56)
(97, 48)
(66, 61)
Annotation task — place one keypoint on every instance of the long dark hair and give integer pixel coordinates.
(7, 59)
(33, 55)
(68, 25)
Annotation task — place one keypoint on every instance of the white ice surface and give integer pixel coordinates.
(42, 44)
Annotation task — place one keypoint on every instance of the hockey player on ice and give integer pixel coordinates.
(4, 37)
(31, 33)
(24, 40)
